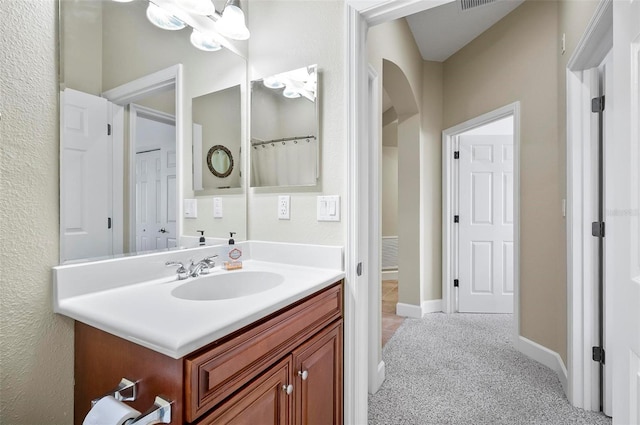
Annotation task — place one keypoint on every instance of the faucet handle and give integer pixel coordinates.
(181, 271)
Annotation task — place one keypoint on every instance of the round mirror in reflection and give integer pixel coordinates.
(220, 161)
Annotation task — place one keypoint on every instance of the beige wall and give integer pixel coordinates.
(36, 345)
(517, 60)
(419, 191)
(431, 191)
(287, 35)
(390, 187)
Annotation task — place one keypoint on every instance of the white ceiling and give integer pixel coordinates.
(443, 30)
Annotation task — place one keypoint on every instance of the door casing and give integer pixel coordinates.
(449, 196)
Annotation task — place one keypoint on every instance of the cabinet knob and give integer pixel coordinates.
(303, 374)
(287, 389)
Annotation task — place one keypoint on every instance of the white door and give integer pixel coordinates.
(623, 214)
(155, 185)
(85, 173)
(485, 231)
(148, 198)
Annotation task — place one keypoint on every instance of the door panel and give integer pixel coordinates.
(485, 244)
(318, 373)
(85, 175)
(623, 213)
(262, 402)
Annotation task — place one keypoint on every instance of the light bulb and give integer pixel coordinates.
(232, 23)
(204, 42)
(291, 92)
(163, 19)
(273, 82)
(198, 7)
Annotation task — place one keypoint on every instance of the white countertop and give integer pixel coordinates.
(147, 314)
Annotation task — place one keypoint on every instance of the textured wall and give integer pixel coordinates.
(36, 346)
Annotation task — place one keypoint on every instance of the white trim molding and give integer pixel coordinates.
(589, 53)
(419, 311)
(547, 357)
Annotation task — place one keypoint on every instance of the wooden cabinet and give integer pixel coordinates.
(318, 378)
(283, 369)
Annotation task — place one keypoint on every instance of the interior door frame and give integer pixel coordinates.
(361, 166)
(136, 112)
(129, 93)
(449, 233)
(592, 48)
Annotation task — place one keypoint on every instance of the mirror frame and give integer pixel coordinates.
(215, 172)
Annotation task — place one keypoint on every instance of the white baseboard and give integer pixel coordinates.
(549, 358)
(389, 274)
(418, 312)
(380, 376)
(409, 310)
(431, 306)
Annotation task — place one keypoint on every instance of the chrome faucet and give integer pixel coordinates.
(181, 271)
(202, 267)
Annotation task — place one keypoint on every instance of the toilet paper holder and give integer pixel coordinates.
(159, 413)
(127, 390)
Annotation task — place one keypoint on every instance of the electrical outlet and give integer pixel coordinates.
(283, 207)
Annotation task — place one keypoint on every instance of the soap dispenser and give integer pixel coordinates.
(234, 255)
(202, 240)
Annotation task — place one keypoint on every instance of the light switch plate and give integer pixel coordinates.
(328, 208)
(284, 212)
(190, 208)
(217, 208)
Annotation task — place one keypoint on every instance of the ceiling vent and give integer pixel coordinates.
(470, 4)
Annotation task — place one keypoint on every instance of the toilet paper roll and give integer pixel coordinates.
(109, 411)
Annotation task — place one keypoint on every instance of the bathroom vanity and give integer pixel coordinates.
(283, 369)
(270, 357)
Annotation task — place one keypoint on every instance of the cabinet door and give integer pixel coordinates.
(318, 377)
(264, 401)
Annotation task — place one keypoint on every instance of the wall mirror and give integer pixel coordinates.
(140, 80)
(284, 129)
(217, 136)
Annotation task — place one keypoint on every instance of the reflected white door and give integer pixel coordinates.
(85, 174)
(155, 188)
(148, 198)
(485, 231)
(623, 212)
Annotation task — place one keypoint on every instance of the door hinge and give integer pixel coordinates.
(597, 104)
(456, 155)
(359, 269)
(108, 222)
(597, 354)
(597, 229)
(108, 129)
(456, 219)
(456, 283)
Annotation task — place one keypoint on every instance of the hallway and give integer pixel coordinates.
(462, 369)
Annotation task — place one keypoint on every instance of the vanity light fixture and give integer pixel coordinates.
(163, 19)
(198, 7)
(273, 82)
(229, 23)
(291, 92)
(205, 42)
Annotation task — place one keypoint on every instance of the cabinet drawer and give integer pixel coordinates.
(217, 373)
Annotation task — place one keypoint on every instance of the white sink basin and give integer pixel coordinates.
(226, 285)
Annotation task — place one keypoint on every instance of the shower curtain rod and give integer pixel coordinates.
(285, 139)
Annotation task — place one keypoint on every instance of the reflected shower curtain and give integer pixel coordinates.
(291, 163)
